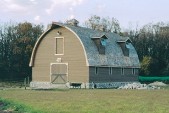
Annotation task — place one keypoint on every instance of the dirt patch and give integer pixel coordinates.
(6, 111)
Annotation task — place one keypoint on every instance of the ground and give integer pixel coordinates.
(91, 100)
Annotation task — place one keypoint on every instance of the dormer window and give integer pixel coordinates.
(125, 45)
(103, 41)
(100, 42)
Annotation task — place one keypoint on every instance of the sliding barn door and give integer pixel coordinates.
(59, 73)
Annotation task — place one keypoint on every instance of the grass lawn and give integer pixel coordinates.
(91, 101)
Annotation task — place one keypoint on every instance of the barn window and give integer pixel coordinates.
(59, 45)
(133, 71)
(103, 41)
(96, 70)
(110, 70)
(125, 46)
(100, 42)
(122, 71)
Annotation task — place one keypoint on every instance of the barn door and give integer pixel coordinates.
(59, 73)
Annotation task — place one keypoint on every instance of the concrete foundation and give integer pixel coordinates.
(48, 85)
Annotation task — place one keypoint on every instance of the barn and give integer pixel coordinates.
(68, 53)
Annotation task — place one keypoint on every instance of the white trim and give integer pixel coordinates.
(133, 71)
(99, 37)
(51, 70)
(122, 71)
(127, 38)
(110, 70)
(96, 70)
(56, 45)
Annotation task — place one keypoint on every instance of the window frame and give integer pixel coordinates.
(127, 45)
(103, 42)
(122, 71)
(56, 45)
(133, 71)
(96, 70)
(110, 70)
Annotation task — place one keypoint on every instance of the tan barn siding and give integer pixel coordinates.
(73, 55)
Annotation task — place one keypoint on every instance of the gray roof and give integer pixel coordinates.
(113, 53)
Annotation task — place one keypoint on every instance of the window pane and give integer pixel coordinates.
(103, 42)
(128, 45)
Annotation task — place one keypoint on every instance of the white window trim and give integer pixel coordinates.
(122, 71)
(110, 70)
(133, 71)
(51, 70)
(63, 45)
(96, 70)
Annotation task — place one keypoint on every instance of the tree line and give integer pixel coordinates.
(151, 43)
(16, 44)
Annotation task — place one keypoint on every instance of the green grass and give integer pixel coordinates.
(91, 101)
(15, 107)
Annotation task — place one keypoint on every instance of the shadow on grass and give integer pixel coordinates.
(62, 90)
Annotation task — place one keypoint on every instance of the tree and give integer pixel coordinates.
(97, 23)
(16, 44)
(149, 66)
(152, 41)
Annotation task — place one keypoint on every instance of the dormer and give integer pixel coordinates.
(100, 42)
(125, 45)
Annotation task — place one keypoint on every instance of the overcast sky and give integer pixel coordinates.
(128, 12)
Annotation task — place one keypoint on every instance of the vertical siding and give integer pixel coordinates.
(73, 55)
(136, 71)
(128, 71)
(103, 75)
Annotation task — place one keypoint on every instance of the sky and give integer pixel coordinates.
(130, 13)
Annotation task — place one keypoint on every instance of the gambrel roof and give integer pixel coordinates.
(113, 56)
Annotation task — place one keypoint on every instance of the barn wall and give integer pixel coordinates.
(73, 55)
(103, 75)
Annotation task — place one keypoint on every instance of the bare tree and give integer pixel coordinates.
(108, 24)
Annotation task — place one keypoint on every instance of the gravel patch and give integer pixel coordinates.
(138, 86)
